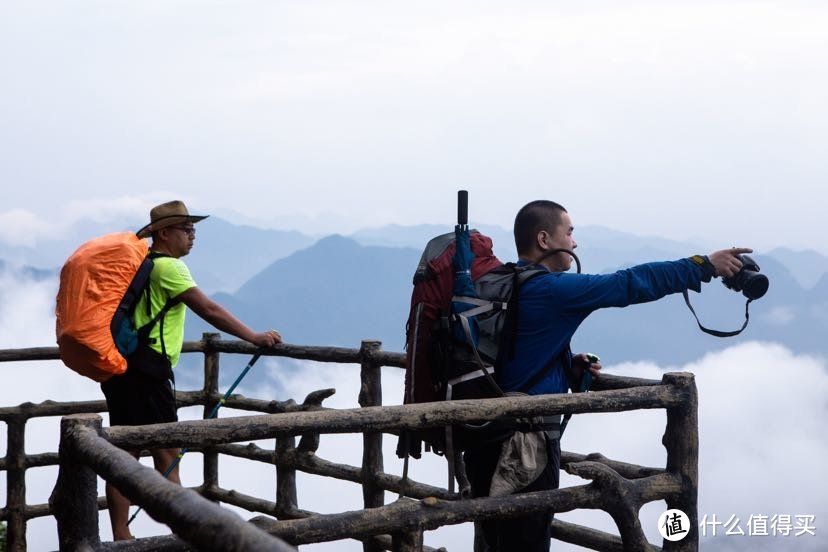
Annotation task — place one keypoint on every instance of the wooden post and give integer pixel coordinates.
(211, 383)
(16, 481)
(408, 541)
(75, 497)
(681, 439)
(370, 394)
(286, 499)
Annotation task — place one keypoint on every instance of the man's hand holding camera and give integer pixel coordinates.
(727, 262)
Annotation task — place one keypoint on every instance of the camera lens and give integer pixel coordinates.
(754, 285)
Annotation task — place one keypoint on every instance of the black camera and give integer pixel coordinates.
(748, 280)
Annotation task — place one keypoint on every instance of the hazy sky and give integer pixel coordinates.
(679, 119)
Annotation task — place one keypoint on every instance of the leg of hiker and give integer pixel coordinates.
(118, 506)
(163, 459)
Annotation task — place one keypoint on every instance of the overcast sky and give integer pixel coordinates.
(678, 119)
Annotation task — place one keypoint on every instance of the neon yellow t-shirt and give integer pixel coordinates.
(169, 278)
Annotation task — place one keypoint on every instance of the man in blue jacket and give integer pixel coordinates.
(551, 307)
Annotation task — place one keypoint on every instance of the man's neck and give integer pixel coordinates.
(161, 248)
(522, 260)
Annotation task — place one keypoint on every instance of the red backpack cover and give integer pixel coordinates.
(430, 300)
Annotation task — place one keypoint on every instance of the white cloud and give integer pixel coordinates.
(111, 209)
(762, 415)
(23, 227)
(26, 311)
(780, 315)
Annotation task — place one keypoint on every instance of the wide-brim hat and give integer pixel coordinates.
(168, 214)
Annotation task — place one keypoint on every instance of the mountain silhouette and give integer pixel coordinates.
(341, 290)
(338, 292)
(335, 292)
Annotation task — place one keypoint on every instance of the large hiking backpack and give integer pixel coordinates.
(100, 284)
(454, 342)
(460, 330)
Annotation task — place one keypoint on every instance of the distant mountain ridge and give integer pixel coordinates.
(225, 256)
(601, 249)
(335, 292)
(340, 290)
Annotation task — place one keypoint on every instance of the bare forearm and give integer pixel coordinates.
(221, 319)
(224, 321)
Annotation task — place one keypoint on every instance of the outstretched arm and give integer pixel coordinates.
(223, 320)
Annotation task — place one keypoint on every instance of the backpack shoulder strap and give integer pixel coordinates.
(144, 331)
(521, 275)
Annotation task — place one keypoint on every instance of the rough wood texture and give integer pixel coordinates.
(211, 382)
(370, 394)
(630, 471)
(16, 485)
(308, 462)
(287, 500)
(171, 543)
(616, 487)
(198, 521)
(75, 497)
(588, 538)
(407, 541)
(623, 499)
(166, 543)
(51, 408)
(430, 513)
(250, 428)
(681, 439)
(30, 353)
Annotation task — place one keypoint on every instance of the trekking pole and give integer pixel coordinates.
(212, 415)
(586, 383)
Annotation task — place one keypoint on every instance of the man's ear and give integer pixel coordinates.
(541, 240)
(162, 234)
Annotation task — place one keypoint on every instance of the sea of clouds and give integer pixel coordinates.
(762, 427)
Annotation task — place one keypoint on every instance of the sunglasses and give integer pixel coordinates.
(189, 230)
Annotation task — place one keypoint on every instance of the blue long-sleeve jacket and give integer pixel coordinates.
(552, 306)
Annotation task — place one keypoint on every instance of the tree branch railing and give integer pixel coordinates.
(616, 487)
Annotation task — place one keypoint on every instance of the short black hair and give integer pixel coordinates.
(532, 218)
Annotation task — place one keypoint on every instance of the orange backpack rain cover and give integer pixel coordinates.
(92, 283)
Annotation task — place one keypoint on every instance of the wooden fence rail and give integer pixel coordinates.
(616, 487)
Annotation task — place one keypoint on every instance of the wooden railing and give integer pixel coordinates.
(87, 449)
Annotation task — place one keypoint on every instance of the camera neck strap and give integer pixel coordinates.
(717, 333)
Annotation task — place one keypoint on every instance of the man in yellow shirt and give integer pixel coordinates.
(144, 394)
